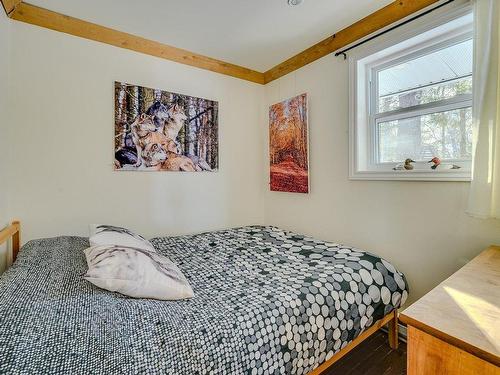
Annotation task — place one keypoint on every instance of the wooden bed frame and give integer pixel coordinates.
(14, 231)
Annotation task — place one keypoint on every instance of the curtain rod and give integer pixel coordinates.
(344, 51)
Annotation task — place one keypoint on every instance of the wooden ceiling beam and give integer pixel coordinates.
(10, 5)
(392, 13)
(34, 15)
(383, 17)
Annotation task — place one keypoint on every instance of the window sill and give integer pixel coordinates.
(418, 175)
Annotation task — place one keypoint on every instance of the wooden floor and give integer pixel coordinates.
(372, 357)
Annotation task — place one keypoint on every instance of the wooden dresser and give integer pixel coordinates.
(455, 328)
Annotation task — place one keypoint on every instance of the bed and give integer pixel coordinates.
(267, 301)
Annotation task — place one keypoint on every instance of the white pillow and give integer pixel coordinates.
(136, 273)
(101, 235)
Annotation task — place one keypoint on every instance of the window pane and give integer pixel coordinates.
(439, 75)
(447, 135)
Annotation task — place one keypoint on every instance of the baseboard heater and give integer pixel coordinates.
(402, 332)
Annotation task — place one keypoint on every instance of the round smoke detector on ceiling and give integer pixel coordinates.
(295, 2)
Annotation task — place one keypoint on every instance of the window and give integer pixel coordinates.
(412, 99)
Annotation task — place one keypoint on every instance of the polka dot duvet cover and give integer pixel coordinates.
(266, 301)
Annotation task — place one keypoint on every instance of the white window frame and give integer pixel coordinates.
(364, 66)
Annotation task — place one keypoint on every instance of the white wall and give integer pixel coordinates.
(62, 106)
(419, 226)
(4, 78)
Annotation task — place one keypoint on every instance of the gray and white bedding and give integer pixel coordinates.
(265, 301)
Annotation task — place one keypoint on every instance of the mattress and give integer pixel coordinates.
(266, 301)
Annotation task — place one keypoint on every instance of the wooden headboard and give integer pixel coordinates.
(12, 231)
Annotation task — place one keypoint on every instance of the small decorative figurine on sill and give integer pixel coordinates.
(436, 162)
(406, 166)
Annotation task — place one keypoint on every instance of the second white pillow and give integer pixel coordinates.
(101, 235)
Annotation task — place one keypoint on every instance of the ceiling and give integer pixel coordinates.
(257, 34)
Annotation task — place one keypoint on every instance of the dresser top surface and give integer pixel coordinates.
(464, 310)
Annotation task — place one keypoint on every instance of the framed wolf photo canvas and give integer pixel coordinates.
(157, 130)
(289, 146)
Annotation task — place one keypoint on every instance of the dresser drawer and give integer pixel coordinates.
(428, 355)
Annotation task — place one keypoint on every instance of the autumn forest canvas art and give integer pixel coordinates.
(158, 130)
(288, 145)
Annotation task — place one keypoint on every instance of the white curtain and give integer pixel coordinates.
(484, 198)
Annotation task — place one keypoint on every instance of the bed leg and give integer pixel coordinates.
(393, 331)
